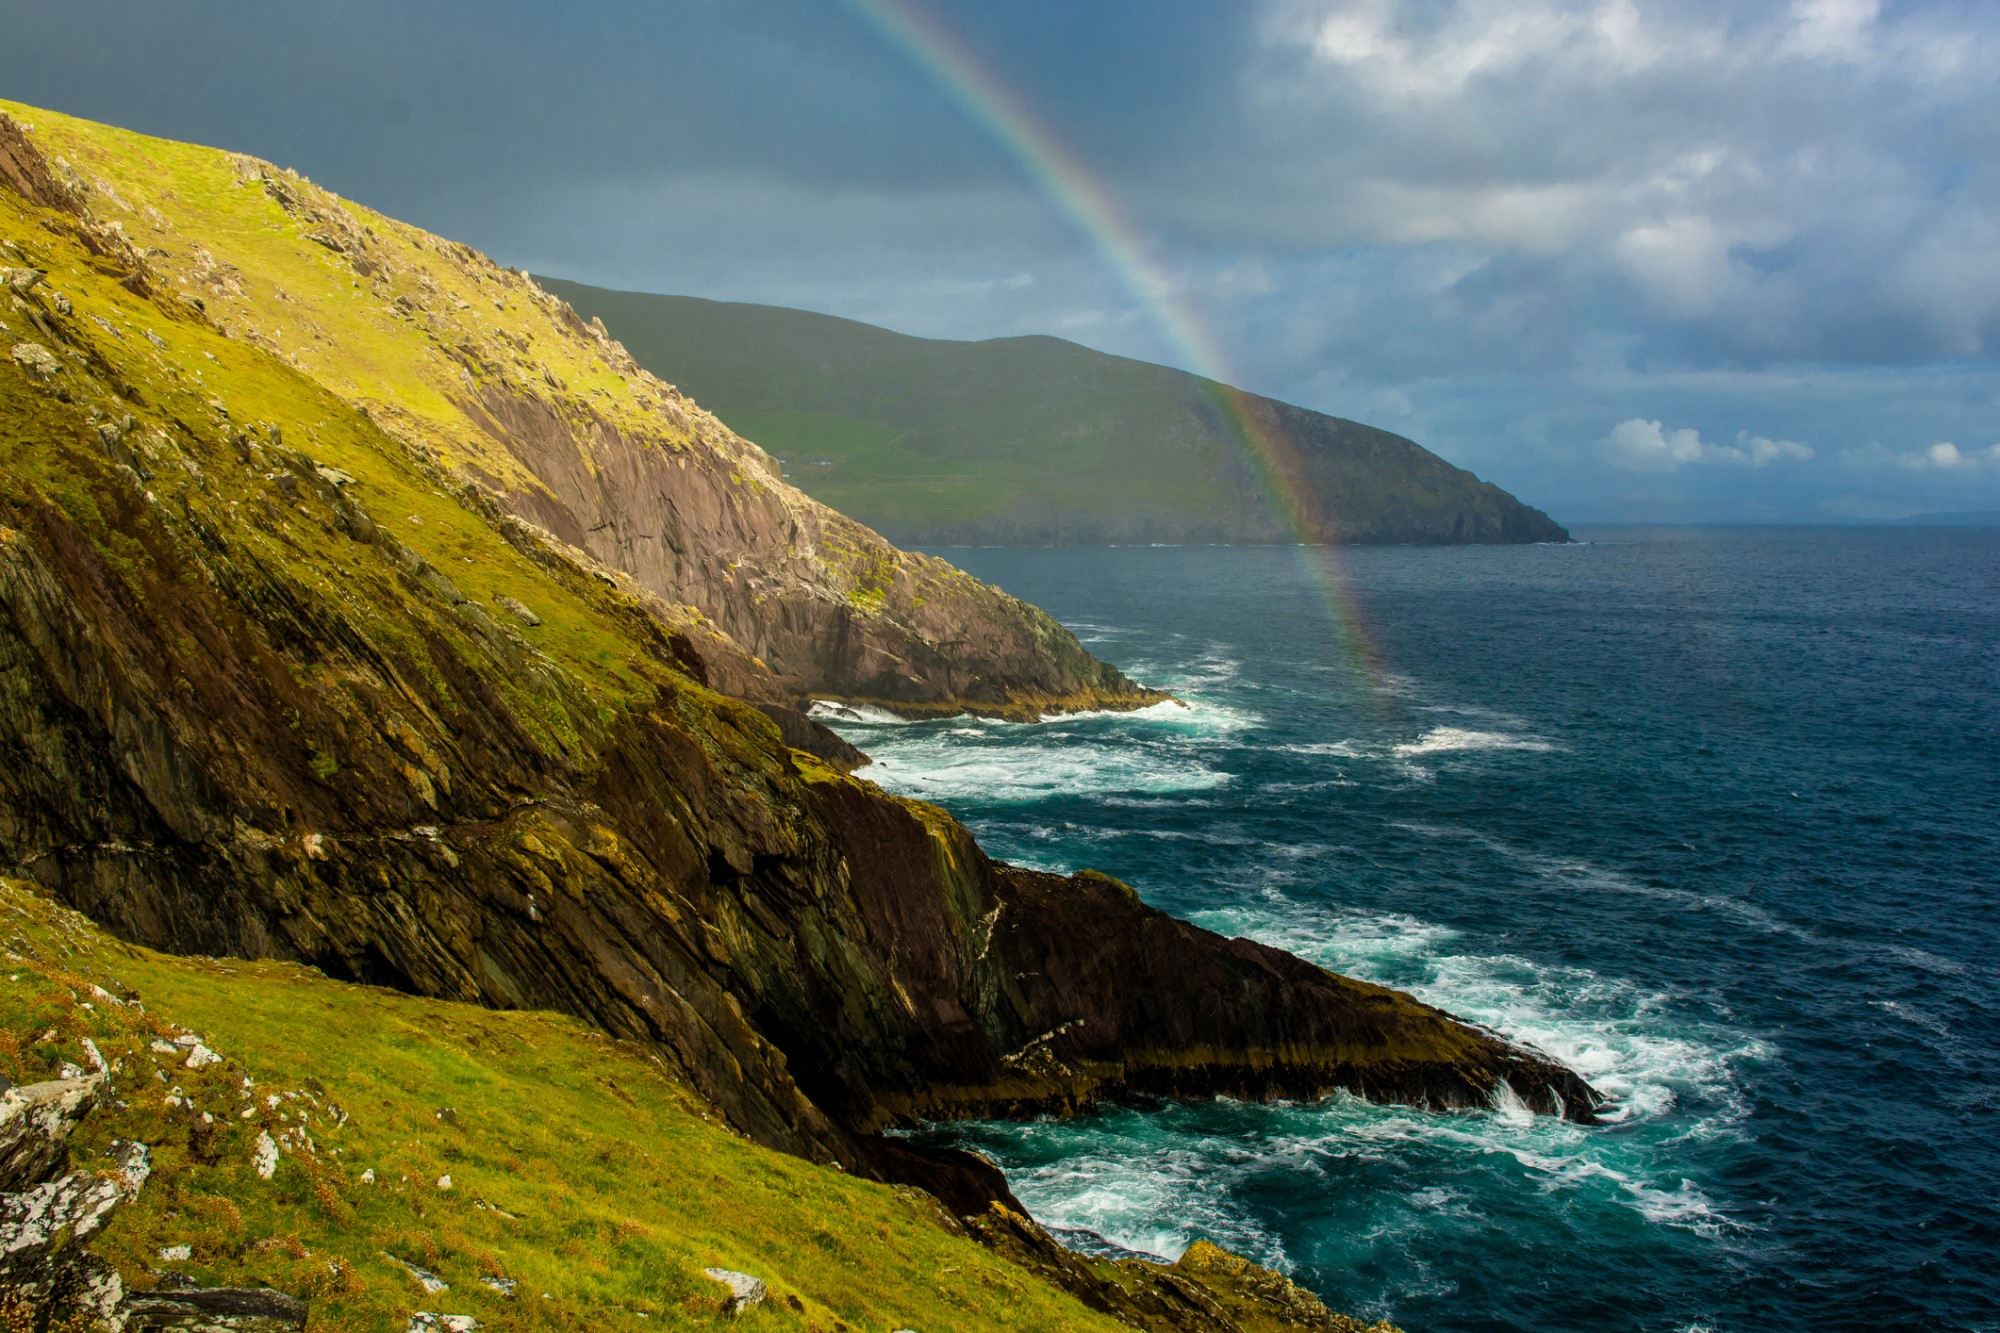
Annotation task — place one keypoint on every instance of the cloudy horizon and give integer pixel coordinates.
(1632, 261)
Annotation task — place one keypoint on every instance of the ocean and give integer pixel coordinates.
(1711, 814)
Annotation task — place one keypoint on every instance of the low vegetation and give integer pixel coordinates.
(552, 1178)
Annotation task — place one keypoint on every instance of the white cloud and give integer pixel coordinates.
(1802, 182)
(1944, 456)
(1832, 29)
(1647, 446)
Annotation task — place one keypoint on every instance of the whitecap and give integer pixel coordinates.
(1458, 740)
(832, 711)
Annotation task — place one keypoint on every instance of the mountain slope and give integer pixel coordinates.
(506, 389)
(1037, 441)
(282, 677)
(547, 1177)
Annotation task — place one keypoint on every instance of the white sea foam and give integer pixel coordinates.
(832, 712)
(1460, 740)
(1155, 1182)
(1165, 749)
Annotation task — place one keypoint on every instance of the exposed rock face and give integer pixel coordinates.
(238, 717)
(831, 608)
(517, 394)
(47, 1216)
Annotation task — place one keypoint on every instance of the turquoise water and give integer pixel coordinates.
(1712, 815)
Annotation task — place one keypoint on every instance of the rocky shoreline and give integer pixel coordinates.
(502, 758)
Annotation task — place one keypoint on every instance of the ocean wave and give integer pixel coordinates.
(1629, 1042)
(1460, 740)
(833, 712)
(1156, 1180)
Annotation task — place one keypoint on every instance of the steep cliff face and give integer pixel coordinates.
(277, 680)
(499, 384)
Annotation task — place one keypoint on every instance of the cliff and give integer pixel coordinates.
(234, 1145)
(285, 674)
(1040, 442)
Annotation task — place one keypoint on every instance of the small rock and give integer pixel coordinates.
(63, 307)
(444, 1181)
(265, 1158)
(368, 1176)
(37, 361)
(504, 1285)
(333, 476)
(744, 1290)
(200, 1056)
(425, 1322)
(165, 1047)
(23, 279)
(516, 610)
(426, 1279)
(177, 1254)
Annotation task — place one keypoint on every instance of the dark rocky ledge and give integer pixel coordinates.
(823, 960)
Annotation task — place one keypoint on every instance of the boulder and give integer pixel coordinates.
(237, 1309)
(37, 361)
(744, 1290)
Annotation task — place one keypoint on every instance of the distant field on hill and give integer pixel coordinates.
(1038, 441)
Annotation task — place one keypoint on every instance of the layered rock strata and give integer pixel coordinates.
(266, 689)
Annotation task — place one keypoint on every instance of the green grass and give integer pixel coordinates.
(1029, 438)
(613, 1186)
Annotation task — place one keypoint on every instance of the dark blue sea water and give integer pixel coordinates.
(1713, 815)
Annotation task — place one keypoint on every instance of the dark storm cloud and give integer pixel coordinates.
(1537, 235)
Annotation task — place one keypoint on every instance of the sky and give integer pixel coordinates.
(1634, 261)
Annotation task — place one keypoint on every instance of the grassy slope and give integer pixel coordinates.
(922, 430)
(412, 341)
(621, 1188)
(918, 435)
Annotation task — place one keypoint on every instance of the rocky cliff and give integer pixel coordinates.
(502, 386)
(285, 672)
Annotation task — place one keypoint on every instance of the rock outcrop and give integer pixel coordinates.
(239, 716)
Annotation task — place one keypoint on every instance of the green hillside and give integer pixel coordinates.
(1038, 441)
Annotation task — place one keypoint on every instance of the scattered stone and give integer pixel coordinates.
(164, 1047)
(425, 1322)
(504, 1285)
(333, 476)
(63, 307)
(368, 1176)
(265, 1158)
(37, 361)
(516, 610)
(200, 1056)
(426, 1279)
(444, 1181)
(176, 1254)
(238, 1309)
(23, 279)
(744, 1290)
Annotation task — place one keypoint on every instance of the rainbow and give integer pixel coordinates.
(1083, 198)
